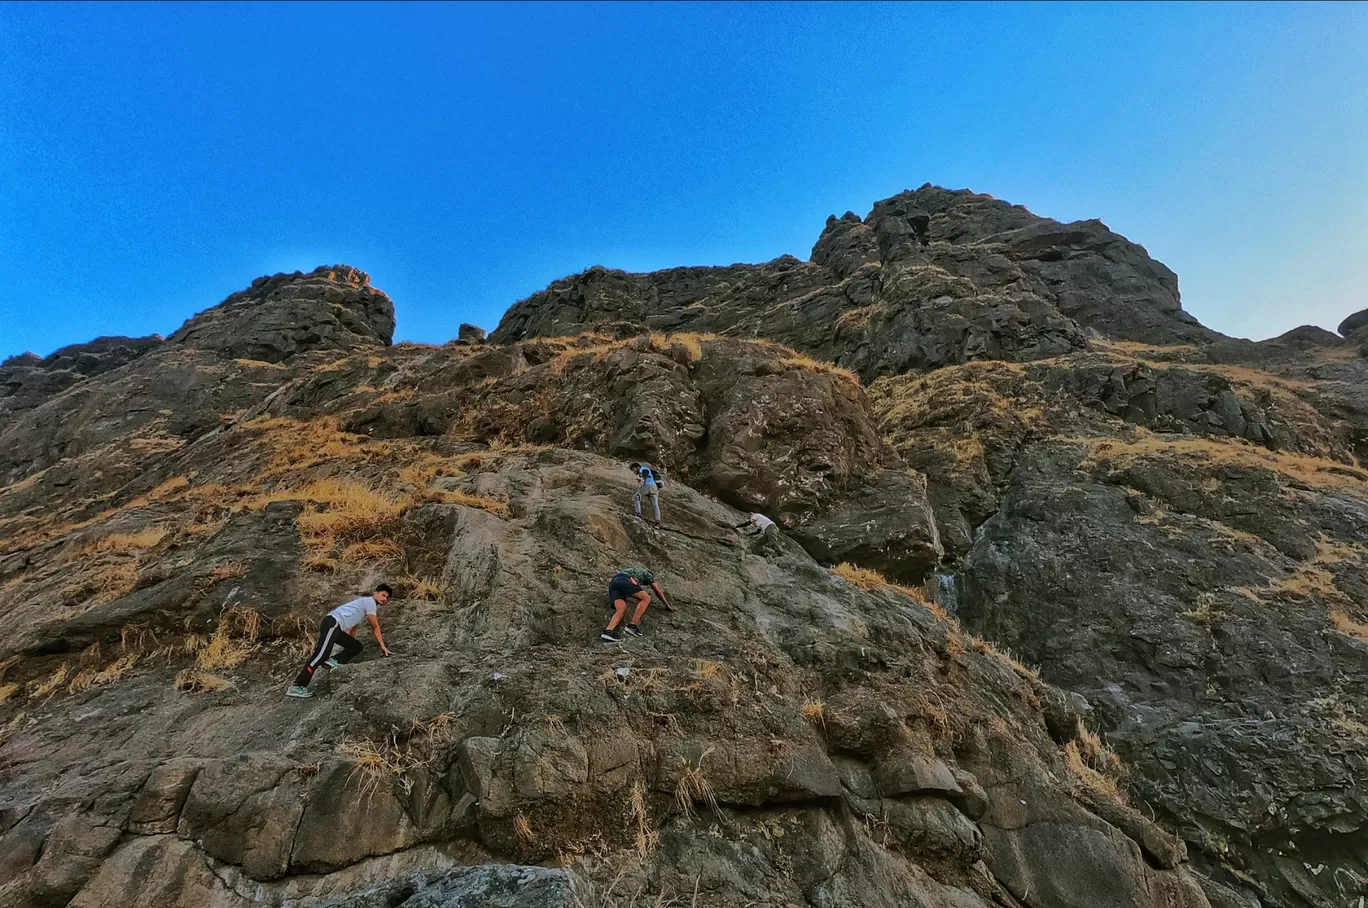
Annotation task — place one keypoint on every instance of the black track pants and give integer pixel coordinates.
(329, 635)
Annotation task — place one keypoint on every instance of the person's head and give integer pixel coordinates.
(634, 467)
(382, 594)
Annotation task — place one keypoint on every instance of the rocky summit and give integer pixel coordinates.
(1069, 608)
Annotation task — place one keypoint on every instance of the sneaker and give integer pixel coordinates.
(333, 663)
(608, 636)
(635, 631)
(302, 693)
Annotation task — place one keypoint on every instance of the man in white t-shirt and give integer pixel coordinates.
(767, 530)
(336, 630)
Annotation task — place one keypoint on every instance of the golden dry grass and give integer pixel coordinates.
(114, 671)
(232, 643)
(808, 364)
(647, 836)
(1081, 758)
(492, 505)
(42, 690)
(372, 551)
(869, 580)
(694, 788)
(230, 570)
(523, 829)
(126, 542)
(421, 589)
(1114, 453)
(194, 681)
(815, 712)
(7, 691)
(1348, 625)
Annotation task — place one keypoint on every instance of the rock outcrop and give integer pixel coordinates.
(980, 430)
(28, 380)
(930, 278)
(331, 308)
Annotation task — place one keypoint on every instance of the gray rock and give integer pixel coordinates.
(490, 886)
(1355, 323)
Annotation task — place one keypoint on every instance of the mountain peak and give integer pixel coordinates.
(333, 307)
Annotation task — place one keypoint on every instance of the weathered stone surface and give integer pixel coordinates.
(74, 850)
(906, 774)
(331, 308)
(1354, 323)
(470, 334)
(496, 886)
(158, 805)
(931, 278)
(1168, 525)
(27, 380)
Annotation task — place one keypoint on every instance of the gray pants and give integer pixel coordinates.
(772, 540)
(650, 491)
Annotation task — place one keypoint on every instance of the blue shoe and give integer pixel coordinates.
(302, 693)
(333, 663)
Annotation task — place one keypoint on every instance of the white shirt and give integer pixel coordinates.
(350, 614)
(761, 522)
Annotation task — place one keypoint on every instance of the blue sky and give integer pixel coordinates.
(155, 158)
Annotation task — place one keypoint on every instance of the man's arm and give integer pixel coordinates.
(665, 600)
(379, 637)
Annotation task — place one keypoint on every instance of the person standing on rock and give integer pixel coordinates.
(649, 484)
(336, 630)
(627, 585)
(767, 530)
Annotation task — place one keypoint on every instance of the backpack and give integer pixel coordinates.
(657, 478)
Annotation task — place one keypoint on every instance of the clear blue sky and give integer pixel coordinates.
(154, 158)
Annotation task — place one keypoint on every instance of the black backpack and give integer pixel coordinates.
(656, 476)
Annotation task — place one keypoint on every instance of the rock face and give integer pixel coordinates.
(331, 308)
(930, 278)
(1354, 323)
(1036, 448)
(28, 380)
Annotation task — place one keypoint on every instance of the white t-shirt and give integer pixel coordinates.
(350, 614)
(761, 522)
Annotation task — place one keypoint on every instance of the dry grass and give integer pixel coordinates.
(1084, 766)
(126, 542)
(1348, 625)
(7, 691)
(1207, 613)
(232, 643)
(1114, 453)
(808, 364)
(372, 551)
(523, 829)
(393, 759)
(48, 687)
(694, 788)
(375, 763)
(419, 588)
(231, 570)
(647, 836)
(815, 712)
(192, 680)
(109, 674)
(492, 505)
(870, 580)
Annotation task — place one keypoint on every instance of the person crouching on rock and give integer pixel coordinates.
(767, 530)
(625, 586)
(336, 631)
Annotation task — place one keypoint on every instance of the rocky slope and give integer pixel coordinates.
(982, 431)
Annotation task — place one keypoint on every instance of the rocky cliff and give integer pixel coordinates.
(1071, 610)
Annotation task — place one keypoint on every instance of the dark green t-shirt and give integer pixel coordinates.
(639, 574)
